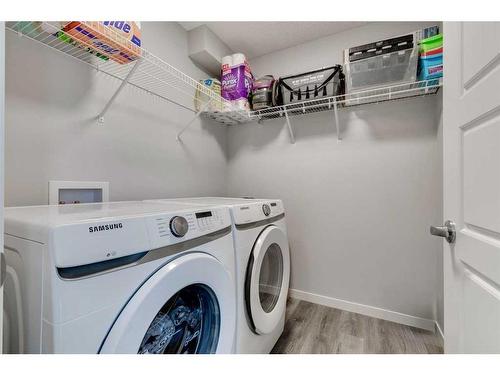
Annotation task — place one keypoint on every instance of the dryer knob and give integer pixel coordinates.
(266, 209)
(179, 226)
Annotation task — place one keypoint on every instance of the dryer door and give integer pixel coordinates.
(266, 284)
(187, 306)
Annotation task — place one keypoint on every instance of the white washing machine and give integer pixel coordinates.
(125, 277)
(262, 269)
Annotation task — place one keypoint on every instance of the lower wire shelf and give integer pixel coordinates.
(333, 103)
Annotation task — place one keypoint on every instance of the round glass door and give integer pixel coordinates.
(271, 277)
(186, 306)
(188, 323)
(267, 278)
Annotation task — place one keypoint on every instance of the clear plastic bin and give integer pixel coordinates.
(386, 69)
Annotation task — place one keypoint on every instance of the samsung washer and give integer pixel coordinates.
(262, 269)
(126, 277)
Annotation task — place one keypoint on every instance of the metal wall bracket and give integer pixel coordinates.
(290, 129)
(100, 117)
(202, 109)
(336, 116)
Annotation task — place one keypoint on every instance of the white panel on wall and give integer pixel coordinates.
(65, 192)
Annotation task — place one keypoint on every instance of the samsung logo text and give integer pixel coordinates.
(100, 228)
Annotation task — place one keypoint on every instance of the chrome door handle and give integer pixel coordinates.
(447, 231)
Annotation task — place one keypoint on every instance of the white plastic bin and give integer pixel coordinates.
(386, 69)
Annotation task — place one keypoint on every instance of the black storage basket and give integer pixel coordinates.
(317, 84)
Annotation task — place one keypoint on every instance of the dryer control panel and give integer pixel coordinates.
(257, 210)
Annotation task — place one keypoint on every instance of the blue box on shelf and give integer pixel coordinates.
(430, 67)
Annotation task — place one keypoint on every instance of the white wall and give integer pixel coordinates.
(358, 212)
(52, 134)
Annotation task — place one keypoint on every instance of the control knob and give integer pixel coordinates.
(179, 226)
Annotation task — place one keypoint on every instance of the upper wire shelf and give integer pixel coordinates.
(148, 72)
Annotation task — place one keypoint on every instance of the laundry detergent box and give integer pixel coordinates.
(119, 40)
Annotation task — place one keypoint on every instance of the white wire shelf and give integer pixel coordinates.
(332, 103)
(147, 72)
(375, 95)
(372, 96)
(229, 117)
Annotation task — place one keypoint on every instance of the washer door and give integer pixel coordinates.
(187, 306)
(267, 280)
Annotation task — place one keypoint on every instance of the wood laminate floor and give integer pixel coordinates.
(316, 329)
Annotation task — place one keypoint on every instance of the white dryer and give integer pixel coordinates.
(262, 269)
(125, 277)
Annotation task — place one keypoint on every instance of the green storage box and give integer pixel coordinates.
(431, 43)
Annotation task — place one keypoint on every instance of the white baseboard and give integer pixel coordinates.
(375, 312)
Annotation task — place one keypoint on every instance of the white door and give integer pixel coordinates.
(2, 111)
(266, 284)
(185, 307)
(471, 126)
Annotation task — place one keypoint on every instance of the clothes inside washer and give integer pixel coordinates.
(185, 324)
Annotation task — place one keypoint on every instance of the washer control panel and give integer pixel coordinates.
(166, 230)
(207, 220)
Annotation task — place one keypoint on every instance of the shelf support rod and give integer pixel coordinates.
(336, 116)
(100, 117)
(202, 109)
(290, 129)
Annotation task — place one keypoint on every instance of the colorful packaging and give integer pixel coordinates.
(430, 67)
(119, 40)
(200, 98)
(430, 64)
(431, 52)
(236, 81)
(65, 38)
(431, 43)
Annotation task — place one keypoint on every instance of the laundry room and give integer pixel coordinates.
(282, 186)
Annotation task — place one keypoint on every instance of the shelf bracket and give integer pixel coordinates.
(100, 117)
(336, 116)
(202, 109)
(290, 129)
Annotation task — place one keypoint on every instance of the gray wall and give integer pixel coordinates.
(52, 134)
(358, 211)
